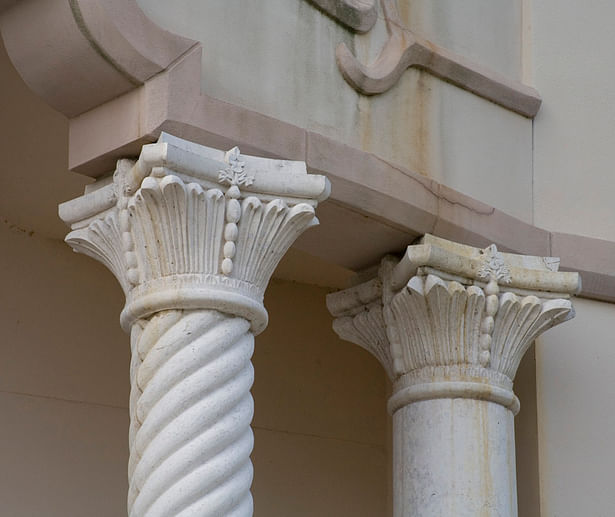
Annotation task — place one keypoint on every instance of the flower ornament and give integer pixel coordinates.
(493, 266)
(235, 174)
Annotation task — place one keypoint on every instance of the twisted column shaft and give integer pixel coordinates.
(193, 235)
(190, 411)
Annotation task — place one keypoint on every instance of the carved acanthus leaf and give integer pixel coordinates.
(169, 227)
(436, 325)
(175, 237)
(437, 322)
(520, 320)
(100, 240)
(441, 332)
(368, 330)
(177, 228)
(266, 231)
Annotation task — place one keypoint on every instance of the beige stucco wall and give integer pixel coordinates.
(573, 188)
(63, 389)
(574, 130)
(576, 417)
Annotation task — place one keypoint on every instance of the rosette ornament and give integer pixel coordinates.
(450, 324)
(193, 235)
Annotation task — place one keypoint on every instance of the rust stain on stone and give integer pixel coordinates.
(364, 106)
(486, 478)
(419, 123)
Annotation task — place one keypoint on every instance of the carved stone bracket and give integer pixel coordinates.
(404, 50)
(450, 324)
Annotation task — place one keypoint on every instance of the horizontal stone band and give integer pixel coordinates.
(452, 390)
(148, 302)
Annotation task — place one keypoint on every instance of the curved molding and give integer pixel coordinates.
(404, 50)
(453, 390)
(78, 54)
(358, 15)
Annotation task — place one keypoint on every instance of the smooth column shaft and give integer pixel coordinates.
(454, 458)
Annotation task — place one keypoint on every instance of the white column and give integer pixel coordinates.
(193, 235)
(450, 324)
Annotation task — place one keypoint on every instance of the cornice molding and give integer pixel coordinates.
(451, 321)
(404, 50)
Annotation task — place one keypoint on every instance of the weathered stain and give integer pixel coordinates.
(406, 49)
(407, 10)
(400, 125)
(486, 476)
(16, 228)
(365, 122)
(423, 133)
(452, 509)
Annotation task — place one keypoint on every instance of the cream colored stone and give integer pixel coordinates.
(120, 47)
(405, 49)
(476, 154)
(450, 324)
(193, 308)
(29, 199)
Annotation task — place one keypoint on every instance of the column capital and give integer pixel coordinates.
(186, 226)
(452, 321)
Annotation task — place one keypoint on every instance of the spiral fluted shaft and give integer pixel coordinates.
(190, 410)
